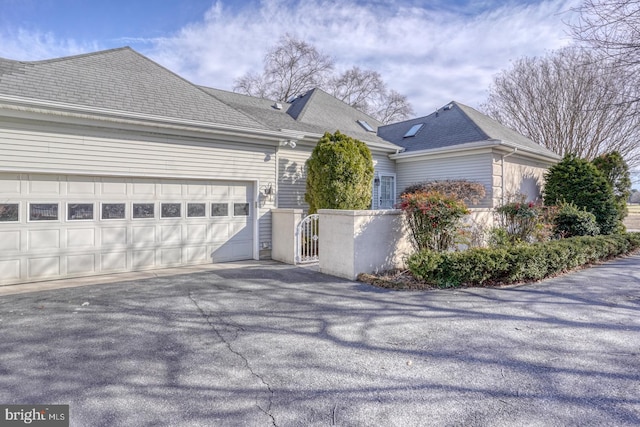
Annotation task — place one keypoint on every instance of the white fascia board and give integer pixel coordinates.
(472, 148)
(72, 111)
(506, 147)
(460, 150)
(313, 138)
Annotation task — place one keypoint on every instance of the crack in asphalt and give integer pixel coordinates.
(207, 317)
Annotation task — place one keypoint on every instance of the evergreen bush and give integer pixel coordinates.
(616, 171)
(339, 174)
(481, 266)
(571, 221)
(578, 181)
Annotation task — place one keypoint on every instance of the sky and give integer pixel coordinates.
(433, 51)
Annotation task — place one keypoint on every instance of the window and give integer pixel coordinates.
(196, 210)
(170, 210)
(9, 212)
(366, 126)
(143, 210)
(79, 211)
(219, 209)
(384, 193)
(414, 130)
(43, 212)
(113, 210)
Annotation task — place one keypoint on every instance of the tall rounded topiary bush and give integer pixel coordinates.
(578, 181)
(616, 170)
(339, 174)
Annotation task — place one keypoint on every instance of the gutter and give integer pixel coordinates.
(492, 143)
(141, 119)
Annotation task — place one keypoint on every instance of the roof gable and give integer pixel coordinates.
(118, 79)
(319, 108)
(315, 112)
(452, 125)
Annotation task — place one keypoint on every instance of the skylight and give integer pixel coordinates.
(414, 130)
(366, 125)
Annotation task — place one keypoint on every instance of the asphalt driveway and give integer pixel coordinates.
(272, 344)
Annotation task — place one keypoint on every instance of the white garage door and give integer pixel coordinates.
(65, 226)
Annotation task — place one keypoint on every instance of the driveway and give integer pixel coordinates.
(270, 344)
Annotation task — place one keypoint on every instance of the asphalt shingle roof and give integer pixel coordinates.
(320, 108)
(124, 80)
(315, 112)
(456, 124)
(118, 79)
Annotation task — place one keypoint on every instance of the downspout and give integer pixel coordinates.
(504, 156)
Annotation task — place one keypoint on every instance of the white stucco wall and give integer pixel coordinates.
(283, 226)
(521, 176)
(354, 242)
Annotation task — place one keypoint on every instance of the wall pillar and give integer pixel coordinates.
(283, 234)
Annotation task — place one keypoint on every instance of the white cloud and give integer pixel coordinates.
(29, 45)
(432, 55)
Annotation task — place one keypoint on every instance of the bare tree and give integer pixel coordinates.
(291, 67)
(612, 27)
(356, 87)
(568, 102)
(365, 90)
(294, 67)
(392, 107)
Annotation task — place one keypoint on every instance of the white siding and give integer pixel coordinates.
(383, 165)
(292, 177)
(88, 151)
(475, 168)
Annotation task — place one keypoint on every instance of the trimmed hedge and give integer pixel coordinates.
(482, 266)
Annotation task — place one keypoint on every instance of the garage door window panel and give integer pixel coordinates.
(43, 212)
(9, 212)
(219, 209)
(112, 211)
(79, 211)
(143, 210)
(196, 210)
(170, 210)
(241, 209)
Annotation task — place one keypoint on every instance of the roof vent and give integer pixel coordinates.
(277, 106)
(448, 107)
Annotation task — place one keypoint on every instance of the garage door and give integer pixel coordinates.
(66, 226)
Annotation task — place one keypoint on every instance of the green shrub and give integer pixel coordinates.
(339, 174)
(571, 221)
(433, 219)
(578, 181)
(498, 237)
(479, 266)
(616, 170)
(519, 219)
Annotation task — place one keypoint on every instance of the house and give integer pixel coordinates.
(458, 142)
(112, 163)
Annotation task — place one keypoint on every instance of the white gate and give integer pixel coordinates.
(307, 240)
